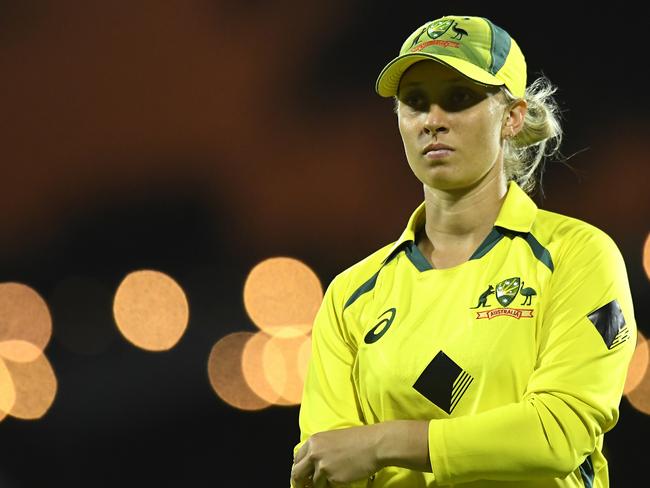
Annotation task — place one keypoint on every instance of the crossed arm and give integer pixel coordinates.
(350, 454)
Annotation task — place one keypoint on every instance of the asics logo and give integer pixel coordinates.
(381, 328)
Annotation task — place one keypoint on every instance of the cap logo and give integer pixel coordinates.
(438, 28)
(434, 30)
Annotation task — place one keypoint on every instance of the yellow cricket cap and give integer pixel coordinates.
(474, 46)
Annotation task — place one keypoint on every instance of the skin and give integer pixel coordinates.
(463, 190)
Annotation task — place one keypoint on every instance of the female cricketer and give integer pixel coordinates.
(488, 345)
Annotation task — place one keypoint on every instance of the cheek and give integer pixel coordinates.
(487, 132)
(495, 124)
(406, 132)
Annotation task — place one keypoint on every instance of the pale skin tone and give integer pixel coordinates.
(464, 188)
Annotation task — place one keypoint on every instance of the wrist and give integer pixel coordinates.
(383, 443)
(391, 440)
(403, 443)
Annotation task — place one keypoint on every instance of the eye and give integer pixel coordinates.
(461, 95)
(414, 100)
(459, 98)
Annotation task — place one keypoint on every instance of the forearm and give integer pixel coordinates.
(404, 443)
(543, 437)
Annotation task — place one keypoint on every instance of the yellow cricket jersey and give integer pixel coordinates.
(518, 356)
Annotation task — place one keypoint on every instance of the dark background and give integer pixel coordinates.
(200, 137)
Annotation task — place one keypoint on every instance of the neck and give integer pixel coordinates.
(462, 213)
(463, 217)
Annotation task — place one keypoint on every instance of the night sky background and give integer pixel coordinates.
(200, 137)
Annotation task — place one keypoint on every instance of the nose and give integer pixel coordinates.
(436, 120)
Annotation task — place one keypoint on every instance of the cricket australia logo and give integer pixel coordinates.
(435, 30)
(505, 292)
(438, 28)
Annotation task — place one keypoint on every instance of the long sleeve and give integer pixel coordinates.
(585, 342)
(329, 399)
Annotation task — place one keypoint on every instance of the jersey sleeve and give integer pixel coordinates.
(586, 337)
(329, 400)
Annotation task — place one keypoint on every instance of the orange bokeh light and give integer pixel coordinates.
(255, 373)
(7, 390)
(24, 318)
(638, 365)
(271, 367)
(35, 387)
(282, 296)
(226, 375)
(151, 310)
(280, 359)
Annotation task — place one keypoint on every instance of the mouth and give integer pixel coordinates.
(437, 151)
(436, 147)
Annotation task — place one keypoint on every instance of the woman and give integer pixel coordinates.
(489, 344)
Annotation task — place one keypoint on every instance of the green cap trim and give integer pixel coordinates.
(500, 48)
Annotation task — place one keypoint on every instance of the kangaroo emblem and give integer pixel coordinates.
(459, 32)
(482, 300)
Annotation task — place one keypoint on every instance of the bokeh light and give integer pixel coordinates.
(638, 365)
(24, 316)
(282, 296)
(7, 390)
(639, 394)
(19, 351)
(151, 310)
(27, 381)
(226, 376)
(255, 373)
(280, 360)
(271, 367)
(35, 387)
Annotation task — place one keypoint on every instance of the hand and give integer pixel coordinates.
(337, 457)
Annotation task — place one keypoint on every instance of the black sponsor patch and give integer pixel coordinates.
(443, 382)
(610, 324)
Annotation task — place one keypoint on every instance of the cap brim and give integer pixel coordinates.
(389, 78)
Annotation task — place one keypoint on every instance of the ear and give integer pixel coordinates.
(513, 120)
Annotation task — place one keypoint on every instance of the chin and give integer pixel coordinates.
(441, 177)
(447, 184)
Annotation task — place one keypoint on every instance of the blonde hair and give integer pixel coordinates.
(539, 139)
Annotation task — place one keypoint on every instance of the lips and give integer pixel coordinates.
(436, 147)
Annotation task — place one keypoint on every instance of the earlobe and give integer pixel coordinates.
(508, 131)
(515, 119)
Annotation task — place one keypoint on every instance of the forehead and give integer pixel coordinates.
(429, 73)
(429, 69)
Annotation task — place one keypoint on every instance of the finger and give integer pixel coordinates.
(301, 452)
(303, 483)
(319, 479)
(322, 483)
(301, 472)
